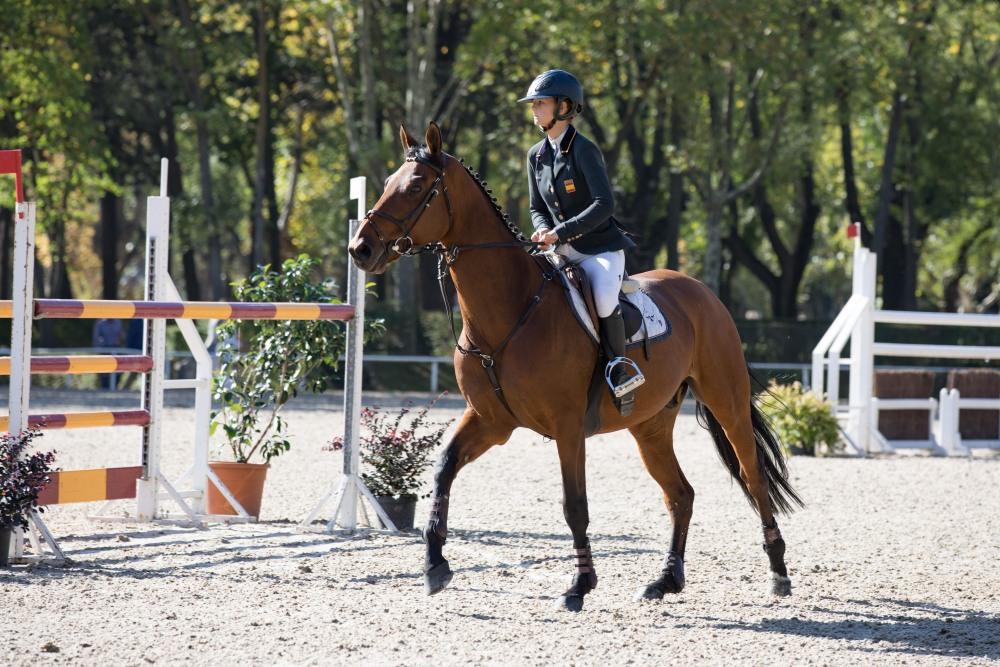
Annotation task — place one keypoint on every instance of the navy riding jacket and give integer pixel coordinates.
(569, 193)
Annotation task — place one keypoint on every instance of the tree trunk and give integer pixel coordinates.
(273, 216)
(887, 183)
(261, 138)
(110, 215)
(422, 18)
(192, 75)
(175, 190)
(712, 267)
(293, 181)
(852, 202)
(676, 203)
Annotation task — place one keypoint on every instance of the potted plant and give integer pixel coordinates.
(805, 423)
(395, 449)
(262, 364)
(22, 478)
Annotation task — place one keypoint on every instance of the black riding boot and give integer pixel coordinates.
(613, 343)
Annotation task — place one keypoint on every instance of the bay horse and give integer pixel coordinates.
(523, 361)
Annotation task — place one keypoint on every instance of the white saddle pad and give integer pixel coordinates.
(654, 324)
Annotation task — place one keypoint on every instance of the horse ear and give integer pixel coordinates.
(406, 138)
(433, 138)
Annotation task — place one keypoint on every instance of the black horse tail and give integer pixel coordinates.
(770, 458)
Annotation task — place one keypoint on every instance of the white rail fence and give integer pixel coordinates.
(856, 322)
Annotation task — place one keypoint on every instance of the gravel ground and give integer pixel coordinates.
(893, 561)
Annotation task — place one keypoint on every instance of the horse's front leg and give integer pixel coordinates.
(573, 462)
(473, 436)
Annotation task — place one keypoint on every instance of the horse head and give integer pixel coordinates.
(413, 211)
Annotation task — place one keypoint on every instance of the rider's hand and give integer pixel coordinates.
(546, 237)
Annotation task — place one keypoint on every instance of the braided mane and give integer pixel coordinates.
(423, 153)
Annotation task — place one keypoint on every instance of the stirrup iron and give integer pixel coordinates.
(628, 385)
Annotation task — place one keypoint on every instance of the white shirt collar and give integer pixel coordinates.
(557, 141)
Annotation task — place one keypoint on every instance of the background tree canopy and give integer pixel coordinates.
(741, 136)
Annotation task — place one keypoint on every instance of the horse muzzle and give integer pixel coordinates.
(367, 256)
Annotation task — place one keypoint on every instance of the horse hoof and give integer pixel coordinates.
(780, 586)
(657, 589)
(572, 603)
(651, 592)
(437, 578)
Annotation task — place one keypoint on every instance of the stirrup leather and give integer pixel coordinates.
(628, 385)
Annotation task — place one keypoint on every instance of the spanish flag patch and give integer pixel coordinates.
(569, 185)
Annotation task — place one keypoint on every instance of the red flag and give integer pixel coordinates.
(10, 163)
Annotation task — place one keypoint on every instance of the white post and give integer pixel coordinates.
(867, 329)
(951, 436)
(22, 316)
(862, 341)
(154, 345)
(352, 387)
(352, 367)
(350, 487)
(202, 399)
(202, 426)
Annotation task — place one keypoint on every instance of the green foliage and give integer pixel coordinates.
(394, 450)
(97, 92)
(804, 423)
(264, 363)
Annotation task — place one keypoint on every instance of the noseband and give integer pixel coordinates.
(404, 244)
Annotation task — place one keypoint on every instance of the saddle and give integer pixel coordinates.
(630, 313)
(644, 323)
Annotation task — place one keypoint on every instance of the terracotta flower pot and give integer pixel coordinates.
(244, 480)
(400, 510)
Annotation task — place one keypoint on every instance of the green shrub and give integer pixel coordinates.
(804, 422)
(263, 363)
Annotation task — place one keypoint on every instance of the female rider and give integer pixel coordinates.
(572, 207)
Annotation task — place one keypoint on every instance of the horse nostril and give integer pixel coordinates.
(361, 251)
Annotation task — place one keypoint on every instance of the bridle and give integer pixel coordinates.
(404, 244)
(446, 258)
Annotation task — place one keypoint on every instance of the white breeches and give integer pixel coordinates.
(605, 272)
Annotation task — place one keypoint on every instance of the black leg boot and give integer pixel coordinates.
(613, 343)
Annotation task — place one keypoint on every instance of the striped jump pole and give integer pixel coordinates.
(189, 310)
(86, 486)
(83, 419)
(97, 363)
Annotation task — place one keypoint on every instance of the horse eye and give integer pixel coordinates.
(414, 189)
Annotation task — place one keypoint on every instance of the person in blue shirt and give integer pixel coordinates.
(572, 206)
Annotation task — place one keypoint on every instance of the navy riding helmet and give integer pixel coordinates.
(561, 85)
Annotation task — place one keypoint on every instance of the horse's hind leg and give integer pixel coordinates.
(739, 428)
(473, 436)
(656, 446)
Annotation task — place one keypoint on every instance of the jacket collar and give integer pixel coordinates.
(567, 140)
(562, 158)
(545, 148)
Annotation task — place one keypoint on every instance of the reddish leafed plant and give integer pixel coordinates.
(396, 447)
(22, 477)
